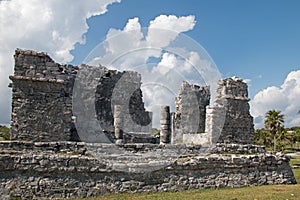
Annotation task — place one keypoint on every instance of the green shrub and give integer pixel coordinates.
(4, 133)
(155, 132)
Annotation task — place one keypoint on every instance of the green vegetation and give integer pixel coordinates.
(275, 136)
(297, 175)
(274, 124)
(4, 133)
(259, 192)
(295, 163)
(287, 139)
(155, 132)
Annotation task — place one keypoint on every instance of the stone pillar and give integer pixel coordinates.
(165, 125)
(173, 133)
(118, 124)
(215, 119)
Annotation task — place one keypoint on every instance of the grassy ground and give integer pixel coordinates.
(295, 161)
(297, 175)
(274, 192)
(260, 192)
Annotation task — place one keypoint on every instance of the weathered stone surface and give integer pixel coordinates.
(229, 119)
(189, 117)
(69, 169)
(237, 148)
(118, 123)
(165, 125)
(82, 147)
(46, 109)
(215, 118)
(41, 111)
(43, 103)
(122, 88)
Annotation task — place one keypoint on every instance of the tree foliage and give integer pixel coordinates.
(275, 135)
(4, 133)
(155, 132)
(274, 124)
(262, 137)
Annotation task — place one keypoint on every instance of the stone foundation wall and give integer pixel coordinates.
(33, 170)
(82, 147)
(237, 148)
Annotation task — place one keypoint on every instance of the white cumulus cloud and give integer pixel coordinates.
(284, 98)
(158, 34)
(52, 26)
(161, 54)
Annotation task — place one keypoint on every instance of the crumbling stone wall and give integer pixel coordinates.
(41, 98)
(72, 170)
(121, 88)
(43, 110)
(190, 114)
(229, 119)
(43, 105)
(43, 102)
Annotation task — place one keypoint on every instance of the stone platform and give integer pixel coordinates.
(69, 169)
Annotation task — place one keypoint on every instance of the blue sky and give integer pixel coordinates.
(256, 40)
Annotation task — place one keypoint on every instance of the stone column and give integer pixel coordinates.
(173, 133)
(215, 119)
(118, 124)
(165, 125)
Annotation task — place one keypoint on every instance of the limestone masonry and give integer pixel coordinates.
(83, 131)
(42, 106)
(232, 104)
(190, 103)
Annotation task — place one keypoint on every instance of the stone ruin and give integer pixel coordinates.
(43, 106)
(227, 121)
(190, 103)
(201, 146)
(43, 102)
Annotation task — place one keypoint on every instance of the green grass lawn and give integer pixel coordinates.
(259, 192)
(297, 175)
(274, 192)
(295, 160)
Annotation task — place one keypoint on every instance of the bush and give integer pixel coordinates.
(4, 133)
(288, 139)
(155, 132)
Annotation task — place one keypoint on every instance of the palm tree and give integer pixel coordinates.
(273, 122)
